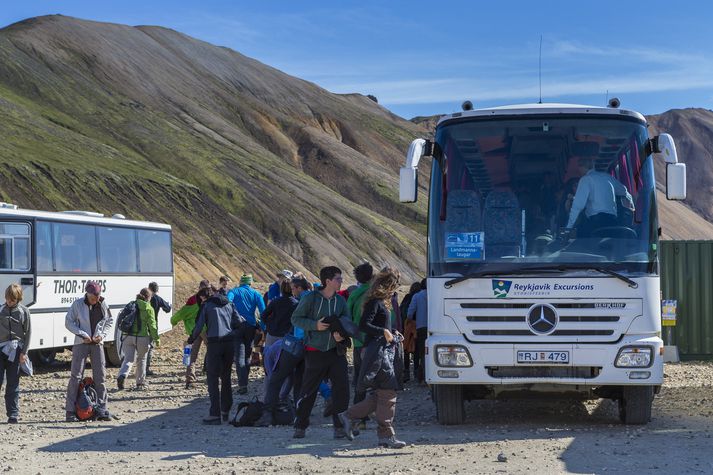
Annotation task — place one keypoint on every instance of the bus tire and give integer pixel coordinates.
(43, 357)
(113, 356)
(635, 404)
(450, 408)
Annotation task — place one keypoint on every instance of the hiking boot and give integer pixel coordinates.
(392, 443)
(120, 382)
(150, 373)
(299, 434)
(212, 421)
(141, 387)
(341, 433)
(71, 417)
(347, 423)
(328, 408)
(224, 416)
(189, 386)
(243, 390)
(12, 420)
(104, 416)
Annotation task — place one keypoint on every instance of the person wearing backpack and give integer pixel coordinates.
(137, 341)
(90, 320)
(15, 333)
(222, 322)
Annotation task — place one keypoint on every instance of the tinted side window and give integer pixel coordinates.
(155, 251)
(75, 247)
(14, 246)
(117, 249)
(43, 239)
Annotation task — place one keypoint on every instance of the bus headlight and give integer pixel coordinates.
(451, 356)
(634, 357)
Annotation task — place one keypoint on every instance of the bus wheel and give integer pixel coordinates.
(113, 354)
(635, 404)
(449, 404)
(43, 357)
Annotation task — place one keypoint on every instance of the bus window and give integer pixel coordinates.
(75, 247)
(14, 246)
(43, 244)
(117, 249)
(155, 251)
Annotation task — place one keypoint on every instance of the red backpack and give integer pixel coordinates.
(86, 405)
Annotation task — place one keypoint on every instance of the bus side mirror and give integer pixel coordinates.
(675, 172)
(408, 176)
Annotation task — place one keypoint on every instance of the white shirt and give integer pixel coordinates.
(596, 193)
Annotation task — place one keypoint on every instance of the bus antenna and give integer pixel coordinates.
(540, 70)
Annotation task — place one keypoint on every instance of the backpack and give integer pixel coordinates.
(128, 318)
(284, 414)
(87, 400)
(248, 413)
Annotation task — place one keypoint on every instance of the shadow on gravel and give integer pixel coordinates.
(584, 439)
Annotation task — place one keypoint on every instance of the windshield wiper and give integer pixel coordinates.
(619, 276)
(530, 270)
(490, 273)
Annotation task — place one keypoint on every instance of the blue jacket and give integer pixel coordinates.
(220, 317)
(418, 309)
(273, 291)
(246, 301)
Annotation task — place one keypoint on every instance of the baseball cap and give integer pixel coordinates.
(93, 288)
(285, 273)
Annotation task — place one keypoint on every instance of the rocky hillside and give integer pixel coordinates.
(256, 170)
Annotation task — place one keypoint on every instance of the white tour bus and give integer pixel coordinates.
(52, 255)
(538, 286)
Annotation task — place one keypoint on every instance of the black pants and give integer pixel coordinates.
(286, 370)
(419, 363)
(407, 366)
(592, 224)
(320, 365)
(219, 358)
(10, 373)
(243, 351)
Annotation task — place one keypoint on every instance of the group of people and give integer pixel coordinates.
(307, 330)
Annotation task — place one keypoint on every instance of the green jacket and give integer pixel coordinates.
(355, 305)
(187, 315)
(147, 321)
(313, 307)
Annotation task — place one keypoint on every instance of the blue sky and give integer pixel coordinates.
(424, 58)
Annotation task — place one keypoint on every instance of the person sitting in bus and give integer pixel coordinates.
(596, 195)
(157, 304)
(91, 322)
(15, 332)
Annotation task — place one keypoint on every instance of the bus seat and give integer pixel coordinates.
(464, 213)
(501, 219)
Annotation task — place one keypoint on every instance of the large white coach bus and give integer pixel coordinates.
(543, 271)
(53, 254)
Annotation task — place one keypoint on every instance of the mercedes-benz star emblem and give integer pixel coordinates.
(542, 319)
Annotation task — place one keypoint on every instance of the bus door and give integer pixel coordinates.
(16, 259)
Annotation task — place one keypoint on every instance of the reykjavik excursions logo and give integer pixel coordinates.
(501, 288)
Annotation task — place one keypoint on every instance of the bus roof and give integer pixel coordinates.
(77, 217)
(539, 109)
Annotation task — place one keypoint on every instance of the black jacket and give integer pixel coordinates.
(220, 317)
(158, 303)
(382, 365)
(278, 315)
(374, 319)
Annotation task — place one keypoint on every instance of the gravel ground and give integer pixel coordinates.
(159, 431)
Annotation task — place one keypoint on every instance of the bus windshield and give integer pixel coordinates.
(510, 193)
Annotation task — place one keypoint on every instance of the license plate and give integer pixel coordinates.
(547, 357)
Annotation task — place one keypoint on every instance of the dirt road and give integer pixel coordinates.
(160, 431)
